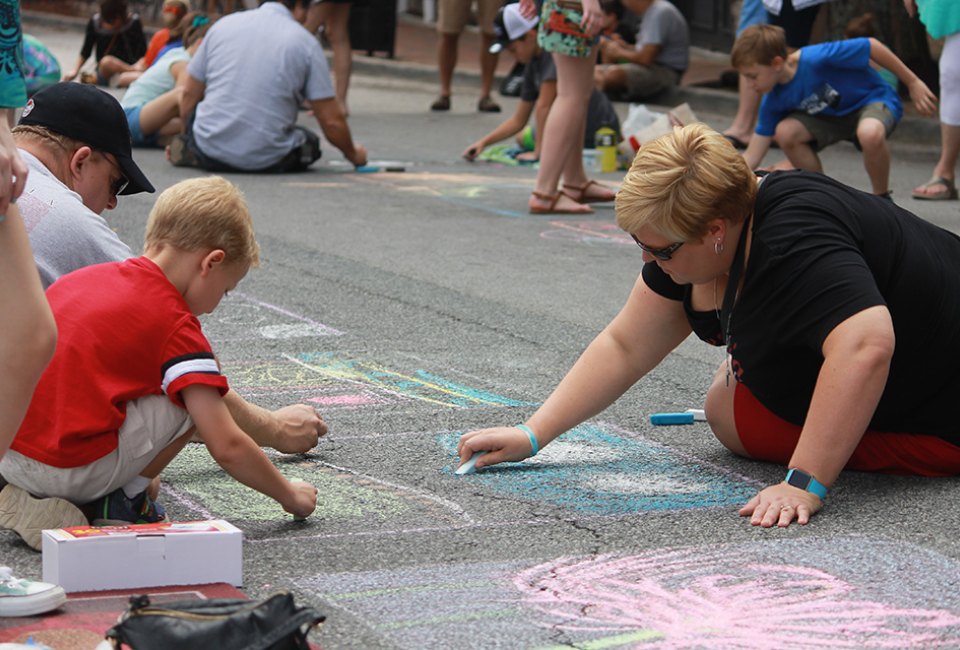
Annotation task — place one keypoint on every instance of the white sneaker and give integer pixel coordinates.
(21, 597)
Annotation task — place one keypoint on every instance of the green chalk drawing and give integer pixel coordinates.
(197, 475)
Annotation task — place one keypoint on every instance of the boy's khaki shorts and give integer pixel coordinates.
(452, 15)
(829, 129)
(152, 423)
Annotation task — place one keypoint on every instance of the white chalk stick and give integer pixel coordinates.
(470, 466)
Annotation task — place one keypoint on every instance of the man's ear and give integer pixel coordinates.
(211, 260)
(80, 158)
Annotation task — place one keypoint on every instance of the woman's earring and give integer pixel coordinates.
(718, 246)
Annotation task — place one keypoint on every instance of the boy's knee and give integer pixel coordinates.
(790, 133)
(872, 135)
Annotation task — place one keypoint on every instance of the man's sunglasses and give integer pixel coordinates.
(662, 254)
(120, 184)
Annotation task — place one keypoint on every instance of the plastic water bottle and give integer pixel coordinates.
(605, 141)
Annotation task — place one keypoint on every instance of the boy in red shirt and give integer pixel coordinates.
(133, 376)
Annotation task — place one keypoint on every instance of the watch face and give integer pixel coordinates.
(798, 479)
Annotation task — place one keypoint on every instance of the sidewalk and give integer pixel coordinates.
(415, 57)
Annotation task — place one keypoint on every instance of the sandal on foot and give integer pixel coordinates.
(552, 199)
(581, 192)
(442, 103)
(487, 105)
(949, 192)
(737, 143)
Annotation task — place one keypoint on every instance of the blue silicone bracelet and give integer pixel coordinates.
(534, 445)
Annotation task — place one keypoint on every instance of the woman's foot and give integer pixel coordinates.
(937, 188)
(589, 192)
(559, 203)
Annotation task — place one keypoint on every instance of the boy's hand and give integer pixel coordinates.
(923, 100)
(471, 152)
(303, 499)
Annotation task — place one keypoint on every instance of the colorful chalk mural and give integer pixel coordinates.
(599, 469)
(791, 594)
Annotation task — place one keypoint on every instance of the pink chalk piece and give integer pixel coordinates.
(359, 399)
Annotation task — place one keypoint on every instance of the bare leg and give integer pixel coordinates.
(488, 65)
(563, 132)
(876, 154)
(719, 410)
(794, 139)
(335, 19)
(447, 60)
(746, 118)
(30, 332)
(947, 164)
(111, 65)
(162, 115)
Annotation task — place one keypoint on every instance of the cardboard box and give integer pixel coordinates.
(84, 558)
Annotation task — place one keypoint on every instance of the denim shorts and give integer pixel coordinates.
(560, 31)
(139, 140)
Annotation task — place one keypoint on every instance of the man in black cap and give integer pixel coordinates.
(76, 143)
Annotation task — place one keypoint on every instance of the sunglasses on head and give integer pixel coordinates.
(662, 254)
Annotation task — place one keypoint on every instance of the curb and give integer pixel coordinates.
(911, 129)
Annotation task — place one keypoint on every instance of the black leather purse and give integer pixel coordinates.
(275, 623)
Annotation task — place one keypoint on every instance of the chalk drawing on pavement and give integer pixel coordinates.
(745, 596)
(599, 469)
(589, 232)
(332, 381)
(241, 315)
(197, 483)
(791, 594)
(418, 385)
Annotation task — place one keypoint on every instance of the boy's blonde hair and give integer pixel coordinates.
(683, 180)
(205, 213)
(758, 45)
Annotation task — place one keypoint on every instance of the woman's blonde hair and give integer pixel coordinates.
(205, 213)
(681, 181)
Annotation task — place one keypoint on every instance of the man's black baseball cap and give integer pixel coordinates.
(87, 114)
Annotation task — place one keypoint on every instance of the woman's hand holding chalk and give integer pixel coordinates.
(470, 466)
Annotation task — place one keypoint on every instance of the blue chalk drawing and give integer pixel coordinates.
(597, 470)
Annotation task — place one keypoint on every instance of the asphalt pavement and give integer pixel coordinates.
(412, 306)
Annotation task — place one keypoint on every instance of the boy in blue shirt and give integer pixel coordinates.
(821, 94)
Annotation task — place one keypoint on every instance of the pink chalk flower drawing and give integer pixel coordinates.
(700, 598)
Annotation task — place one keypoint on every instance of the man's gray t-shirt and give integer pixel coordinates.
(258, 66)
(65, 235)
(664, 25)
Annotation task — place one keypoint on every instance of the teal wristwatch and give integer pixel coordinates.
(800, 479)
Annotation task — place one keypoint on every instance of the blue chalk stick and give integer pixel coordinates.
(367, 169)
(470, 466)
(671, 418)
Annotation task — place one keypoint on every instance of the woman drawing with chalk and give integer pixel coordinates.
(840, 313)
